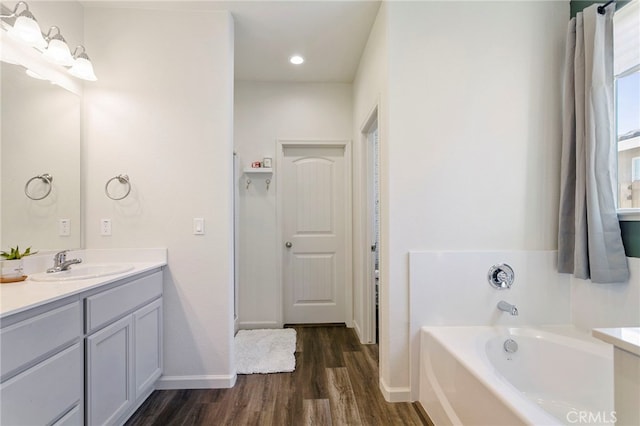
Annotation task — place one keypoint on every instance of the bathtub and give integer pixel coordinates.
(557, 377)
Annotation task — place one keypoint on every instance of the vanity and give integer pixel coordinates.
(626, 370)
(86, 350)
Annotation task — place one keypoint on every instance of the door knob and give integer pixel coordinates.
(288, 244)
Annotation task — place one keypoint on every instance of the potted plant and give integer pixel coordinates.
(11, 265)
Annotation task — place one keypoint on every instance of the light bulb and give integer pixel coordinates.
(296, 59)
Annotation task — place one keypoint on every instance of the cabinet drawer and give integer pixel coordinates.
(44, 392)
(109, 305)
(31, 339)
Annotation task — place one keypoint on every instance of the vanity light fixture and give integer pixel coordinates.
(53, 46)
(57, 50)
(296, 59)
(26, 28)
(82, 67)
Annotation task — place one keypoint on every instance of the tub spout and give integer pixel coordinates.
(508, 307)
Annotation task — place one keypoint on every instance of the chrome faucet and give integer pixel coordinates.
(60, 262)
(508, 307)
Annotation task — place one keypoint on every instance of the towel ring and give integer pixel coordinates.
(123, 179)
(46, 178)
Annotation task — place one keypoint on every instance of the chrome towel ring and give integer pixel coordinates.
(123, 179)
(46, 178)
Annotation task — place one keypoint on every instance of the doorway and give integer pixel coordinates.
(370, 231)
(373, 207)
(315, 202)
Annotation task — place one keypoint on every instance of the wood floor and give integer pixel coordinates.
(335, 383)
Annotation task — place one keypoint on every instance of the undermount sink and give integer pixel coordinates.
(83, 272)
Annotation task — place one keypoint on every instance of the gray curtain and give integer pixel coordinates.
(589, 240)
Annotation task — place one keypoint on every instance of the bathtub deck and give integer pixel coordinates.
(335, 382)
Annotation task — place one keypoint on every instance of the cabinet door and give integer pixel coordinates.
(147, 326)
(109, 372)
(72, 418)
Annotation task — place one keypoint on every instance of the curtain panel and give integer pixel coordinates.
(589, 239)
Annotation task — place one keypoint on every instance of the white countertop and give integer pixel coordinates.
(20, 296)
(627, 338)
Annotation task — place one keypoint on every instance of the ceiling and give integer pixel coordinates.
(330, 35)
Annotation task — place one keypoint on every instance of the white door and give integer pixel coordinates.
(315, 187)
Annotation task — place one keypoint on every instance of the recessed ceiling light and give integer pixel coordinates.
(296, 59)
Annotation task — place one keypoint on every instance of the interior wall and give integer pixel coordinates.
(265, 112)
(369, 92)
(607, 305)
(465, 298)
(162, 112)
(473, 140)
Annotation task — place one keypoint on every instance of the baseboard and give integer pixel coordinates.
(248, 325)
(356, 328)
(360, 333)
(397, 394)
(196, 382)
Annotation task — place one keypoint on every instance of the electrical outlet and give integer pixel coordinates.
(105, 226)
(64, 227)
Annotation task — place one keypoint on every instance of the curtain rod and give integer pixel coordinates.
(601, 8)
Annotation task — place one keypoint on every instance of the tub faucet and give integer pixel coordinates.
(60, 262)
(508, 307)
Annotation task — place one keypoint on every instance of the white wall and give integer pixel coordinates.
(450, 288)
(369, 91)
(607, 305)
(264, 113)
(471, 157)
(162, 112)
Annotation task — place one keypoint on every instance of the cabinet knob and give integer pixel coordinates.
(288, 244)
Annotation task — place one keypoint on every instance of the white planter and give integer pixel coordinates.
(11, 269)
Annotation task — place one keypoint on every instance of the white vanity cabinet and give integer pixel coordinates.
(89, 356)
(123, 348)
(42, 366)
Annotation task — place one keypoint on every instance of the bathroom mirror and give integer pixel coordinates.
(40, 134)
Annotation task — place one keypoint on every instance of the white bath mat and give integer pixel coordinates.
(265, 351)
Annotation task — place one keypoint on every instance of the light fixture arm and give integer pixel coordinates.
(76, 50)
(82, 54)
(57, 36)
(15, 10)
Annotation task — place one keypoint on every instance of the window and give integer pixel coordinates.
(626, 41)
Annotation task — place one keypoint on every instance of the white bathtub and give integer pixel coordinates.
(467, 377)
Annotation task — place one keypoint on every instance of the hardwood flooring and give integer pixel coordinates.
(335, 383)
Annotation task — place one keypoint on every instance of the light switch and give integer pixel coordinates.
(198, 226)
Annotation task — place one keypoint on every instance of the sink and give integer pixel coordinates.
(83, 272)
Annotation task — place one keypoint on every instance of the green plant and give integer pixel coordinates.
(15, 253)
